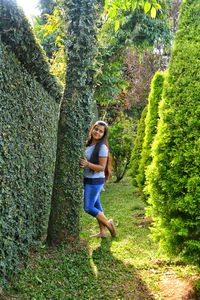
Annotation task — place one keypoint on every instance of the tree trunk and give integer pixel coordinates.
(74, 122)
(120, 175)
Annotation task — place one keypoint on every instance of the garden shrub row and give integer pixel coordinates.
(151, 121)
(29, 117)
(174, 174)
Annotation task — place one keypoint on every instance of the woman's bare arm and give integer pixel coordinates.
(98, 168)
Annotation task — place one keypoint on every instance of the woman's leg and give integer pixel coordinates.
(91, 195)
(108, 223)
(92, 206)
(102, 220)
(102, 227)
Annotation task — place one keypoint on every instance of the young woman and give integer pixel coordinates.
(97, 169)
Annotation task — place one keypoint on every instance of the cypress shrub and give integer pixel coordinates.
(137, 149)
(151, 121)
(29, 117)
(174, 175)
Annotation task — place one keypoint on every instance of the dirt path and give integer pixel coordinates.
(174, 288)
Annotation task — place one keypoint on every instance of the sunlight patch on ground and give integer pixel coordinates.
(93, 267)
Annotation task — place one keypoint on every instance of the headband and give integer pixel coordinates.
(101, 122)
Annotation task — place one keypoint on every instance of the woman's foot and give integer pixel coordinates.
(99, 235)
(113, 231)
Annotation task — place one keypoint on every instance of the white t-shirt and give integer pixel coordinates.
(103, 152)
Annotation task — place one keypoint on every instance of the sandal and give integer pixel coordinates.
(99, 235)
(113, 232)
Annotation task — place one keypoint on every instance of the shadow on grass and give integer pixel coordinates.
(117, 280)
(76, 274)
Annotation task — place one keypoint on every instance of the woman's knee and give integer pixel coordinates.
(87, 209)
(91, 211)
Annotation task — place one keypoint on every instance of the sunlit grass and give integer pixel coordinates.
(126, 267)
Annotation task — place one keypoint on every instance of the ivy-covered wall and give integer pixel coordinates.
(16, 31)
(29, 118)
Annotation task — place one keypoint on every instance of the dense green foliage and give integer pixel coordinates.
(29, 116)
(48, 42)
(174, 181)
(74, 122)
(117, 7)
(136, 153)
(138, 30)
(121, 139)
(150, 126)
(17, 32)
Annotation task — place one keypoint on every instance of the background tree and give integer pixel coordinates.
(48, 41)
(46, 7)
(75, 118)
(137, 149)
(139, 71)
(137, 29)
(121, 139)
(174, 9)
(119, 63)
(173, 176)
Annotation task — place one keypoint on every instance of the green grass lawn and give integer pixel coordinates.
(126, 267)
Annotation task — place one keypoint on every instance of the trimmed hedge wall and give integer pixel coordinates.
(137, 149)
(29, 118)
(17, 32)
(174, 175)
(151, 121)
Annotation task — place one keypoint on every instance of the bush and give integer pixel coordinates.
(151, 121)
(137, 149)
(174, 181)
(29, 117)
(121, 138)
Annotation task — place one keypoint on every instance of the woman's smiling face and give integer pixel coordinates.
(98, 132)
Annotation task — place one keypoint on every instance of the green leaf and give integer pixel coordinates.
(38, 279)
(112, 13)
(157, 6)
(134, 5)
(117, 25)
(153, 12)
(147, 7)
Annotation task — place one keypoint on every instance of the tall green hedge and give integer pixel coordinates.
(17, 32)
(137, 149)
(151, 121)
(29, 117)
(74, 122)
(174, 175)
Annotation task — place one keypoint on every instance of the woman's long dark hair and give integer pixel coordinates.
(95, 154)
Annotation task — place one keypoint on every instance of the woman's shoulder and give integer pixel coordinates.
(103, 146)
(103, 151)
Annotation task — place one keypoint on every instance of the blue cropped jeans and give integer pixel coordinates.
(92, 204)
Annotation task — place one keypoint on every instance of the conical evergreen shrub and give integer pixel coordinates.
(150, 126)
(136, 153)
(174, 175)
